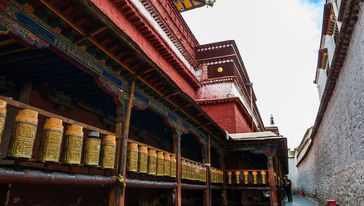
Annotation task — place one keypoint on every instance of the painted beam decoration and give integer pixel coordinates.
(30, 28)
(185, 5)
(323, 56)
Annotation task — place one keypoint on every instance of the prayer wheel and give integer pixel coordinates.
(73, 144)
(237, 175)
(197, 172)
(50, 149)
(202, 173)
(221, 177)
(152, 162)
(23, 134)
(230, 174)
(143, 159)
(255, 177)
(264, 179)
(205, 176)
(193, 171)
(212, 175)
(92, 150)
(167, 165)
(160, 164)
(2, 117)
(246, 177)
(132, 162)
(108, 152)
(184, 169)
(173, 166)
(189, 171)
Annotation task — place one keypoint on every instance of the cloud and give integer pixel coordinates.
(278, 41)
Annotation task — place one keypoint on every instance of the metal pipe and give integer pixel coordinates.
(149, 184)
(39, 177)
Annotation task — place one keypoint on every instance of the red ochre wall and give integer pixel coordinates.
(224, 115)
(114, 14)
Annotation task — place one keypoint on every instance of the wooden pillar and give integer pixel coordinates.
(177, 151)
(272, 183)
(207, 200)
(224, 190)
(117, 194)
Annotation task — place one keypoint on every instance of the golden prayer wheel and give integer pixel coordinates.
(184, 169)
(73, 144)
(92, 150)
(255, 177)
(193, 174)
(263, 174)
(160, 164)
(237, 175)
(201, 173)
(50, 149)
(246, 177)
(24, 133)
(167, 165)
(173, 166)
(132, 163)
(152, 162)
(230, 174)
(2, 117)
(212, 175)
(108, 152)
(221, 176)
(143, 159)
(189, 171)
(197, 172)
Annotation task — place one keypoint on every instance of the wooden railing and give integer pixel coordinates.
(13, 107)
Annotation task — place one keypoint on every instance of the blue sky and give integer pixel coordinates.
(279, 42)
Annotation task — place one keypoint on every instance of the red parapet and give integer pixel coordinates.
(331, 203)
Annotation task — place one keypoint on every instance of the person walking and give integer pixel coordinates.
(288, 187)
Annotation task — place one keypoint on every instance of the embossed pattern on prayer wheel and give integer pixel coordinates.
(167, 165)
(152, 162)
(50, 150)
(264, 180)
(184, 169)
(160, 164)
(204, 176)
(132, 161)
(255, 177)
(237, 177)
(246, 177)
(143, 159)
(189, 171)
(108, 152)
(73, 144)
(92, 149)
(23, 134)
(173, 166)
(2, 116)
(230, 178)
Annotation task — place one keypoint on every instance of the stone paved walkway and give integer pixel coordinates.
(299, 201)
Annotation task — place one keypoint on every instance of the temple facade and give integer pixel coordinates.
(115, 102)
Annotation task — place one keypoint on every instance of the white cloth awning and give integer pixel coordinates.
(252, 135)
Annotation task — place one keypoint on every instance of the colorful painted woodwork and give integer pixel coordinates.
(173, 166)
(160, 163)
(167, 165)
(152, 162)
(92, 149)
(50, 149)
(108, 152)
(2, 117)
(237, 176)
(24, 133)
(73, 144)
(132, 159)
(264, 177)
(143, 159)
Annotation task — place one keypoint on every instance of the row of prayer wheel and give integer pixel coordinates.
(24, 133)
(249, 177)
(193, 171)
(142, 159)
(217, 176)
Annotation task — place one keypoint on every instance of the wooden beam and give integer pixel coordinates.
(25, 92)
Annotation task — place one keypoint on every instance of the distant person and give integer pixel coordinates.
(288, 187)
